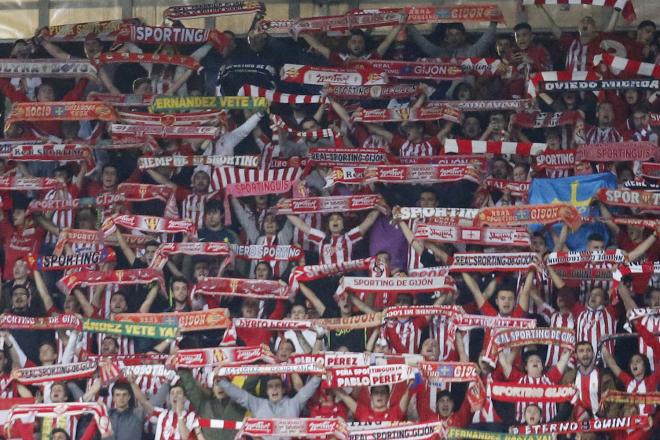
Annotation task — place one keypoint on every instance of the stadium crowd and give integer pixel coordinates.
(282, 258)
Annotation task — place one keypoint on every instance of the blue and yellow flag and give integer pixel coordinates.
(578, 191)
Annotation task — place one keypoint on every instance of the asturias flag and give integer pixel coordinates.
(577, 191)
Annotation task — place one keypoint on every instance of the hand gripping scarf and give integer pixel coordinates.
(27, 413)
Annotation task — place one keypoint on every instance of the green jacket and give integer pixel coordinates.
(208, 407)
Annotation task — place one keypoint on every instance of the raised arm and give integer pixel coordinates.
(405, 398)
(474, 289)
(556, 279)
(428, 48)
(299, 223)
(125, 248)
(361, 305)
(369, 221)
(380, 131)
(315, 44)
(140, 397)
(410, 237)
(240, 396)
(311, 296)
(52, 49)
(246, 221)
(341, 111)
(556, 30)
(350, 403)
(563, 361)
(613, 19)
(181, 77)
(610, 361)
(150, 298)
(389, 39)
(626, 297)
(42, 289)
(607, 217)
(307, 392)
(523, 299)
(644, 246)
(225, 145)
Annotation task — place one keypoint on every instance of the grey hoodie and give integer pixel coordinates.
(287, 407)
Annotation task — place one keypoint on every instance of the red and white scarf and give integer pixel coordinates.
(325, 157)
(403, 114)
(560, 81)
(529, 214)
(84, 236)
(439, 373)
(618, 152)
(366, 19)
(449, 14)
(104, 30)
(630, 67)
(204, 357)
(128, 100)
(402, 174)
(329, 204)
(516, 337)
(269, 370)
(396, 312)
(650, 170)
(310, 273)
(391, 91)
(166, 249)
(444, 215)
(183, 12)
(516, 189)
(555, 160)
(61, 111)
(261, 289)
(145, 163)
(315, 75)
(172, 119)
(259, 252)
(51, 68)
(138, 192)
(148, 58)
(296, 428)
(602, 256)
(408, 285)
(279, 97)
(102, 200)
(409, 70)
(496, 262)
(630, 198)
(89, 278)
(150, 224)
(58, 322)
(169, 35)
(165, 132)
(539, 393)
(54, 152)
(72, 261)
(442, 233)
(13, 183)
(584, 425)
(486, 105)
(55, 373)
(368, 376)
(469, 322)
(186, 321)
(27, 413)
(466, 146)
(543, 119)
